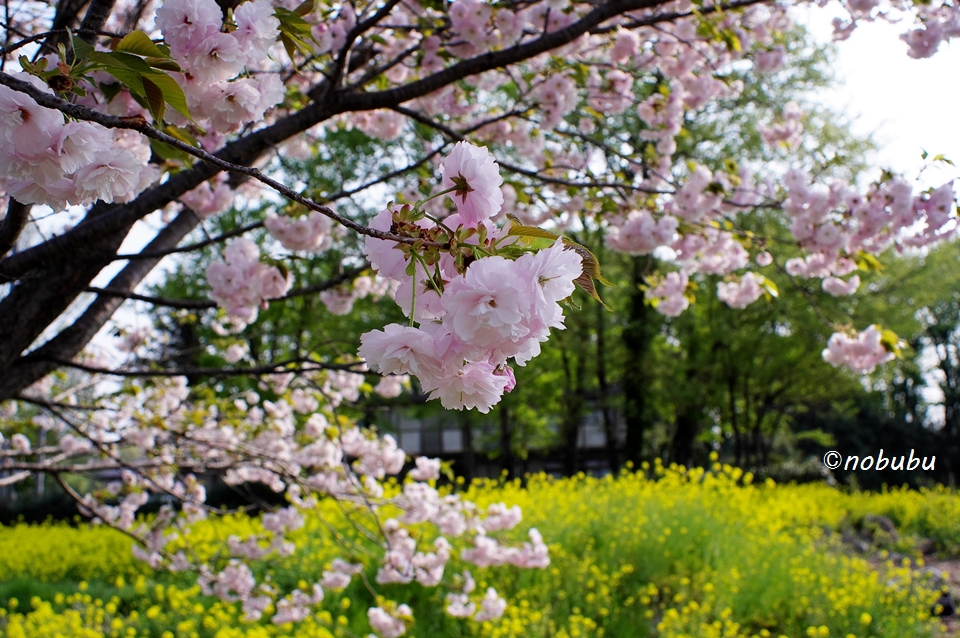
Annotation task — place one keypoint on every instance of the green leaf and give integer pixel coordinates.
(305, 8)
(292, 21)
(133, 62)
(81, 50)
(288, 44)
(172, 93)
(140, 43)
(110, 89)
(128, 78)
(591, 271)
(518, 230)
(770, 287)
(590, 263)
(155, 100)
(890, 341)
(163, 63)
(168, 152)
(867, 262)
(181, 134)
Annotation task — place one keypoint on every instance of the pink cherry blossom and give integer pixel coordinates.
(426, 469)
(491, 607)
(307, 233)
(187, 23)
(840, 288)
(257, 29)
(401, 350)
(740, 294)
(387, 625)
(475, 385)
(476, 175)
(488, 303)
(861, 352)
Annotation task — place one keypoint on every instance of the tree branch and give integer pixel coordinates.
(303, 365)
(513, 168)
(13, 224)
(200, 304)
(493, 59)
(94, 19)
(236, 232)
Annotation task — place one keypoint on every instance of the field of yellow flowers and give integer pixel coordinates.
(659, 552)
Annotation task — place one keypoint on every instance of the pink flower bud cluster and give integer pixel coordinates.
(861, 352)
(243, 283)
(44, 160)
(497, 310)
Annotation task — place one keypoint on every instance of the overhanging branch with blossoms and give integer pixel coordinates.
(586, 106)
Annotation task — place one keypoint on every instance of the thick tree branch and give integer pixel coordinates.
(24, 326)
(493, 59)
(94, 19)
(141, 126)
(13, 224)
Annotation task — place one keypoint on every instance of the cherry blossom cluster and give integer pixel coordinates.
(861, 352)
(46, 160)
(742, 293)
(935, 23)
(787, 131)
(211, 58)
(474, 315)
(310, 233)
(243, 283)
(209, 198)
(340, 300)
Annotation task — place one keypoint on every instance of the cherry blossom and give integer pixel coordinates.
(861, 352)
(475, 176)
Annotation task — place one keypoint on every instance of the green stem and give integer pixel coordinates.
(421, 202)
(426, 270)
(413, 300)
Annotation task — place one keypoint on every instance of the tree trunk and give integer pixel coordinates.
(638, 334)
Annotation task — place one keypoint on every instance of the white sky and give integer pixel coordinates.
(909, 105)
